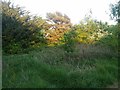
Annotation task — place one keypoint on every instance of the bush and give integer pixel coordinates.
(111, 40)
(69, 41)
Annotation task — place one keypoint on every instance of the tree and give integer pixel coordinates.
(58, 25)
(89, 30)
(115, 14)
(19, 30)
(115, 11)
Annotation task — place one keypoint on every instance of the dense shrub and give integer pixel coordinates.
(20, 31)
(69, 41)
(111, 40)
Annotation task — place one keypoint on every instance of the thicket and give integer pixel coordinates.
(22, 31)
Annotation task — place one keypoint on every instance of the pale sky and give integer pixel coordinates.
(75, 9)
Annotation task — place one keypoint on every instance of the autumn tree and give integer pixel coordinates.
(59, 24)
(89, 30)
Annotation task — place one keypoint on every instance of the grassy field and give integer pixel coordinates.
(51, 67)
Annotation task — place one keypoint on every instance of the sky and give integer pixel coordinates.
(74, 9)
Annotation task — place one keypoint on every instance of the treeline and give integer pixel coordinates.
(22, 31)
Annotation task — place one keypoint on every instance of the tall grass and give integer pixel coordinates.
(51, 68)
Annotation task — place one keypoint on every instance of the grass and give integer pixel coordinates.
(51, 68)
(0, 77)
